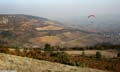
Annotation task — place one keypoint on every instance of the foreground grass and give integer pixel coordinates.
(24, 64)
(64, 58)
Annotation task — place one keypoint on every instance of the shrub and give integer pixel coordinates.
(83, 53)
(4, 50)
(61, 57)
(98, 55)
(78, 63)
(47, 47)
(117, 66)
(118, 55)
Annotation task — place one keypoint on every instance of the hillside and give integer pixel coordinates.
(18, 30)
(23, 64)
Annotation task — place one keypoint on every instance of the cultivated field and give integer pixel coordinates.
(105, 53)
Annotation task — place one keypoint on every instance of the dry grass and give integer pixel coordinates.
(23, 64)
(53, 40)
(51, 27)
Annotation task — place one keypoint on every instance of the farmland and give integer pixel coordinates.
(105, 53)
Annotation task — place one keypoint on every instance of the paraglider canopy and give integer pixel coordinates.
(91, 16)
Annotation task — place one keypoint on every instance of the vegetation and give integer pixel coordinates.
(99, 46)
(117, 66)
(98, 55)
(7, 34)
(118, 55)
(83, 53)
(60, 56)
(47, 47)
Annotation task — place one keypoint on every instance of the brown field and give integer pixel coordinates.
(105, 53)
(53, 40)
(49, 28)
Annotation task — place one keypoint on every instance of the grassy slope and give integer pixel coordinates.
(23, 64)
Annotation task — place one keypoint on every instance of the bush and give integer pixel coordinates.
(4, 50)
(47, 47)
(98, 55)
(78, 63)
(83, 53)
(61, 57)
(17, 51)
(118, 55)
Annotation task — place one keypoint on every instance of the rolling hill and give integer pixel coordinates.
(18, 30)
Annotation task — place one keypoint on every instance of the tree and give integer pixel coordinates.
(47, 47)
(98, 55)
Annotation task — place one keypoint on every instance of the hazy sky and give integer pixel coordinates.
(60, 9)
